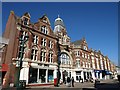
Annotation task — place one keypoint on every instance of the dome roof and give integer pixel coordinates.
(59, 21)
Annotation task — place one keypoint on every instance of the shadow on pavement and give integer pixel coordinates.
(107, 86)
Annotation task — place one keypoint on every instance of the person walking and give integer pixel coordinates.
(64, 80)
(68, 82)
(79, 78)
(72, 80)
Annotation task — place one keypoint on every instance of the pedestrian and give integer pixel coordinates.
(68, 82)
(72, 80)
(79, 78)
(64, 80)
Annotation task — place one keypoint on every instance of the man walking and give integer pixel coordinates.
(72, 81)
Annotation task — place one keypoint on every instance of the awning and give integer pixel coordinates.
(4, 67)
(106, 72)
(98, 71)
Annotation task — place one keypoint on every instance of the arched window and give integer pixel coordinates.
(44, 29)
(77, 62)
(43, 55)
(34, 54)
(50, 57)
(65, 59)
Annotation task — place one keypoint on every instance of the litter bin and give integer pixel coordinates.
(22, 83)
(55, 82)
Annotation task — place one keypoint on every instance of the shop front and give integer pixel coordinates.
(98, 74)
(78, 76)
(40, 75)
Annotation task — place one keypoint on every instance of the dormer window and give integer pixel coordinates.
(26, 18)
(44, 30)
(25, 21)
(45, 21)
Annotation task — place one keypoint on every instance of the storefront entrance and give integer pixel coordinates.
(37, 75)
(32, 75)
(78, 76)
(42, 74)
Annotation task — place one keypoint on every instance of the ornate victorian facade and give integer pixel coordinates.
(45, 48)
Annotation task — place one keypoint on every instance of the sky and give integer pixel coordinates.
(96, 21)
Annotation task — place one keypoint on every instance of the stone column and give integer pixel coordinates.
(46, 79)
(93, 74)
(38, 76)
(100, 75)
(82, 75)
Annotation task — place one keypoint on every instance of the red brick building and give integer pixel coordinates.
(45, 48)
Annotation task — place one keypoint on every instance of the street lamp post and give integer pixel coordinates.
(22, 42)
(58, 62)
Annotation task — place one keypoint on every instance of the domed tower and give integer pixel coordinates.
(60, 31)
(59, 25)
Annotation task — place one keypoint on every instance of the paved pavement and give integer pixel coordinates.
(76, 85)
(103, 85)
(86, 85)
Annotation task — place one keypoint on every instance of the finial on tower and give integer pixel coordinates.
(58, 16)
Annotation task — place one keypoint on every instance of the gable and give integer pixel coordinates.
(45, 19)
